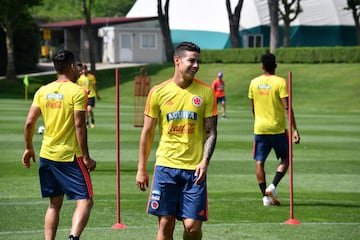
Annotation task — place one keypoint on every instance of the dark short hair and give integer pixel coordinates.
(269, 61)
(186, 46)
(63, 60)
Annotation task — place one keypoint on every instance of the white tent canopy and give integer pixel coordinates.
(211, 15)
(209, 18)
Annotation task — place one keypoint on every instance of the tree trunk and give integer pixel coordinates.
(234, 35)
(234, 22)
(286, 34)
(288, 15)
(87, 14)
(165, 30)
(357, 24)
(91, 45)
(274, 24)
(10, 66)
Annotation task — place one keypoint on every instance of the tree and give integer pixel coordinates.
(53, 11)
(274, 24)
(234, 22)
(10, 20)
(354, 6)
(165, 29)
(86, 10)
(289, 14)
(115, 8)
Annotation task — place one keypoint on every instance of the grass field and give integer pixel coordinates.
(326, 163)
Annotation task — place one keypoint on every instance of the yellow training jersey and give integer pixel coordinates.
(88, 81)
(181, 114)
(266, 91)
(58, 101)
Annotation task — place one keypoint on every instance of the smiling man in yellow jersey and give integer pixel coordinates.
(187, 114)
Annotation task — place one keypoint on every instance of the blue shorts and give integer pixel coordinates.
(220, 99)
(91, 101)
(174, 193)
(70, 178)
(265, 142)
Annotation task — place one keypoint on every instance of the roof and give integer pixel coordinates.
(100, 21)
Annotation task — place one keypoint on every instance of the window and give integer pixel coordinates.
(125, 40)
(253, 41)
(148, 40)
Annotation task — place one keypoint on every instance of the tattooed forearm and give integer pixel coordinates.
(210, 138)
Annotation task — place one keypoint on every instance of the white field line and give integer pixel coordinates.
(221, 225)
(243, 199)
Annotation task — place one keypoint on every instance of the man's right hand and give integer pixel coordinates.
(142, 179)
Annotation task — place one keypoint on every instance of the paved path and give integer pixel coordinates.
(48, 68)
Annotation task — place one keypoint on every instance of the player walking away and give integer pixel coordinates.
(269, 100)
(88, 81)
(65, 162)
(219, 87)
(187, 114)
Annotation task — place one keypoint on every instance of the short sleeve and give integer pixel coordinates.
(283, 89)
(80, 99)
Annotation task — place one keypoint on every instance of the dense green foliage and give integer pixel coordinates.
(23, 36)
(71, 9)
(26, 46)
(326, 163)
(26, 42)
(284, 55)
(27, 34)
(319, 55)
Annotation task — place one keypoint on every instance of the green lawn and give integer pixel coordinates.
(326, 163)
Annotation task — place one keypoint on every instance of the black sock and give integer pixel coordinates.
(71, 237)
(262, 188)
(277, 178)
(93, 121)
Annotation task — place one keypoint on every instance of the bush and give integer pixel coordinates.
(284, 55)
(233, 55)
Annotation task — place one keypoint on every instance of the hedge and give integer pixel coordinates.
(284, 55)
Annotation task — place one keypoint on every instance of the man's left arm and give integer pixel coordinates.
(293, 121)
(81, 136)
(209, 147)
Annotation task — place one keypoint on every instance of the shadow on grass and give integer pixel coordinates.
(114, 170)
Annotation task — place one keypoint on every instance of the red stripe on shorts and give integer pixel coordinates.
(86, 175)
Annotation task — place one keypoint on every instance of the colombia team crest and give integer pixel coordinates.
(197, 101)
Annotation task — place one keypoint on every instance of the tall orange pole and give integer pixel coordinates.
(292, 220)
(118, 223)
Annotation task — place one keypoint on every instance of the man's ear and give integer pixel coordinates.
(176, 59)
